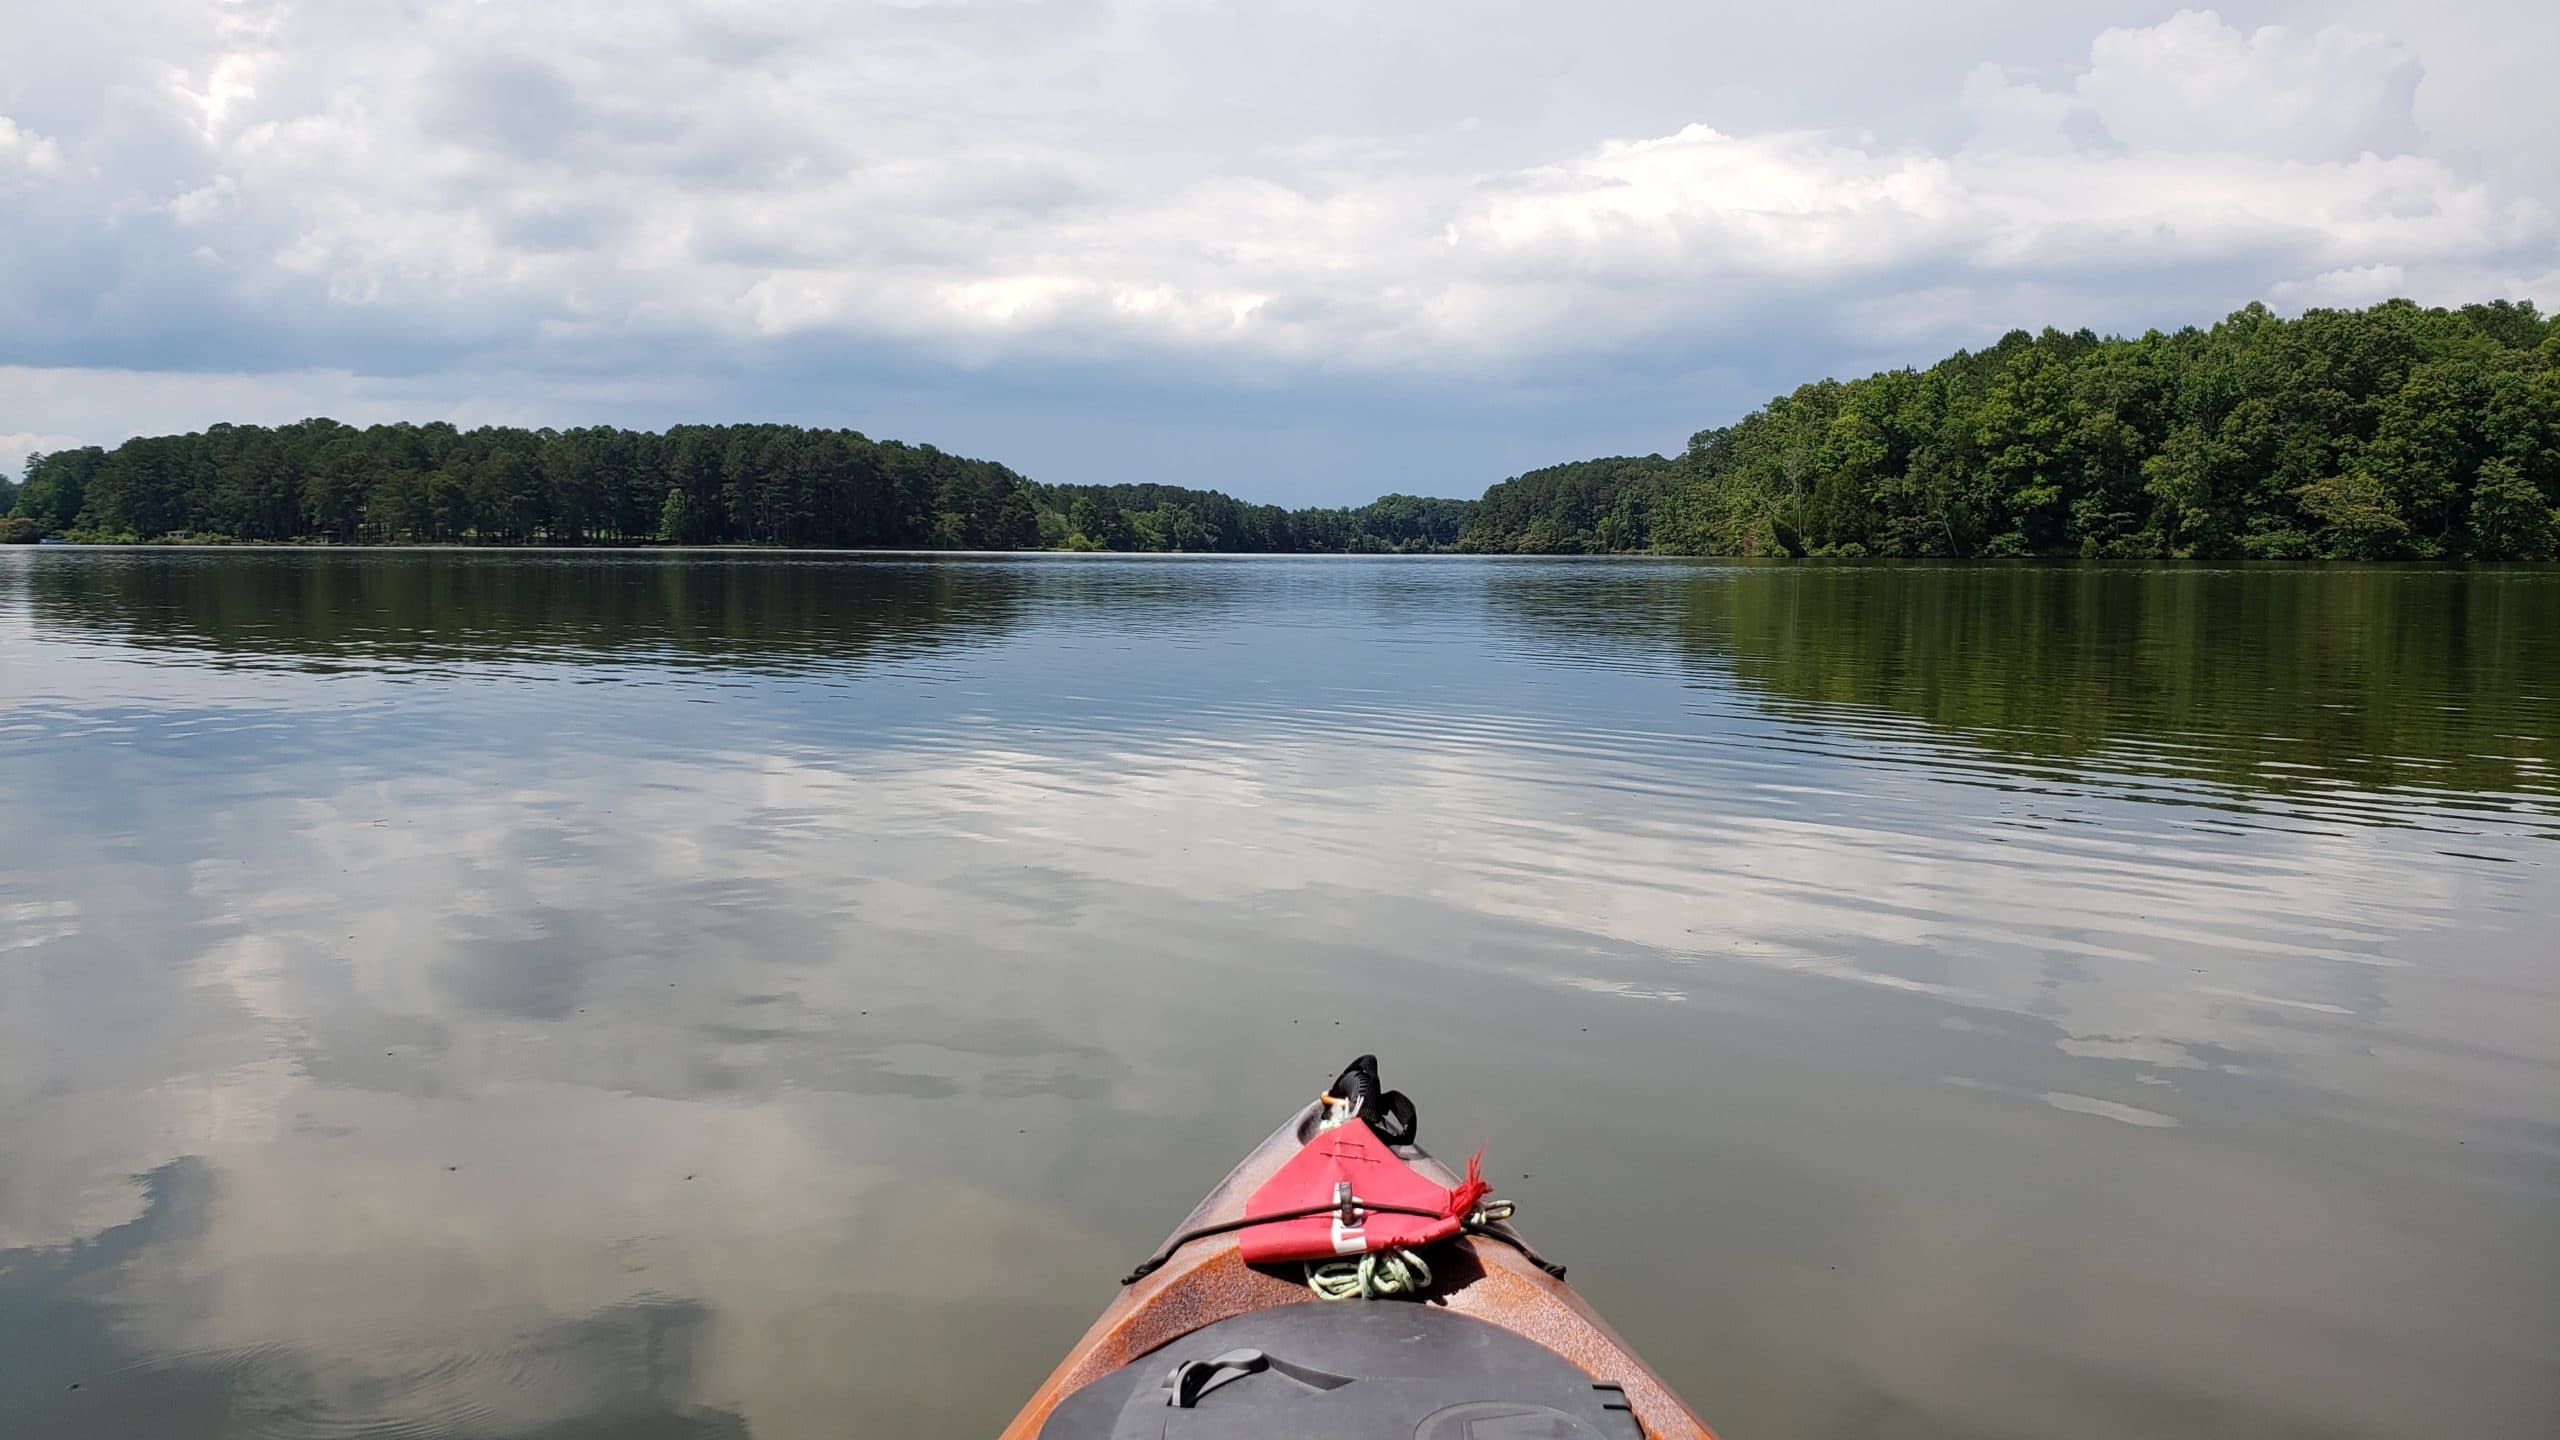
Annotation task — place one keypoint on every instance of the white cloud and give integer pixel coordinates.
(2351, 285)
(392, 190)
(16, 446)
(2197, 83)
(25, 149)
(2487, 93)
(2015, 115)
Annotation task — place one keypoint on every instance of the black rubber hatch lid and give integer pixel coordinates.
(1370, 1370)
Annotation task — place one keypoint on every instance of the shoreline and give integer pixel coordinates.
(1757, 562)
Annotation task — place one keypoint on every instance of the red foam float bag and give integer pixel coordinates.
(1351, 1155)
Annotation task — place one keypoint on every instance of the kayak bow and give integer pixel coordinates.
(1201, 1344)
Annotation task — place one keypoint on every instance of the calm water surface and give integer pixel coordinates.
(563, 995)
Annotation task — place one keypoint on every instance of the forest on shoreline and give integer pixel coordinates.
(2391, 432)
(783, 485)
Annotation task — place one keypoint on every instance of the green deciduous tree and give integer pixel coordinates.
(2510, 517)
(2351, 433)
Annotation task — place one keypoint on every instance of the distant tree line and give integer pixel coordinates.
(694, 484)
(2395, 432)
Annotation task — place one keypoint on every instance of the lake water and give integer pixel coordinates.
(564, 995)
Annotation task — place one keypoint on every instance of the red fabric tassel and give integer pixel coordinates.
(1463, 1200)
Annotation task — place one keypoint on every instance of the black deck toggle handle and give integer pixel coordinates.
(1193, 1379)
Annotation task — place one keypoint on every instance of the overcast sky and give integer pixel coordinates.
(1305, 251)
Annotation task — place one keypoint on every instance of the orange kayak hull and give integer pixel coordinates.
(1207, 1281)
